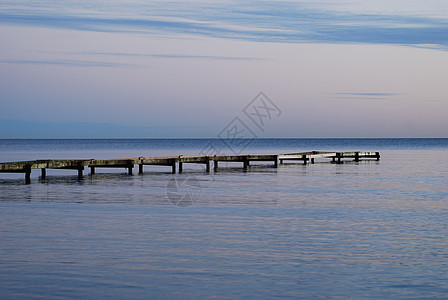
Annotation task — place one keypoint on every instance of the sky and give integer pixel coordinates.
(196, 69)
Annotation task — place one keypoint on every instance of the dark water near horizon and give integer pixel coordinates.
(199, 143)
(367, 230)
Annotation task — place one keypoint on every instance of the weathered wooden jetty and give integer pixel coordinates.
(172, 161)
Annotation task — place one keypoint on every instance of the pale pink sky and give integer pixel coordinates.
(162, 69)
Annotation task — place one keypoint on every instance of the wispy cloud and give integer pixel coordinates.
(282, 21)
(370, 94)
(108, 64)
(364, 96)
(180, 56)
(67, 63)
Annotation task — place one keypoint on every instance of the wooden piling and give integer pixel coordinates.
(246, 163)
(43, 174)
(207, 165)
(80, 172)
(180, 164)
(140, 169)
(339, 156)
(27, 174)
(173, 166)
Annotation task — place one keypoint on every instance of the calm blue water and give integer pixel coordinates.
(367, 230)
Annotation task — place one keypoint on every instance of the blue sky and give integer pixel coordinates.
(186, 69)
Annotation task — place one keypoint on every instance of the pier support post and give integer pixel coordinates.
(27, 174)
(43, 173)
(140, 169)
(181, 167)
(357, 156)
(215, 166)
(339, 156)
(80, 172)
(276, 163)
(173, 167)
(92, 170)
(312, 160)
(304, 159)
(246, 163)
(27, 177)
(130, 167)
(207, 165)
(377, 155)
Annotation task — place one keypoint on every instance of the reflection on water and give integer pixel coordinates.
(367, 230)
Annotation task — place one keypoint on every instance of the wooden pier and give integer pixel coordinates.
(175, 161)
(306, 157)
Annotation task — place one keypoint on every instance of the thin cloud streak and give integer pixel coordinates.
(105, 64)
(369, 94)
(364, 96)
(68, 63)
(181, 56)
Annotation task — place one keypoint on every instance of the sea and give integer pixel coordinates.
(356, 230)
